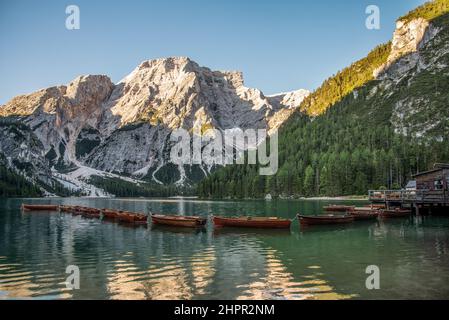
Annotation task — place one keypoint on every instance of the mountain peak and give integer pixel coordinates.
(161, 65)
(167, 62)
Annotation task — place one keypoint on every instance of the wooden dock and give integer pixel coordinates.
(431, 193)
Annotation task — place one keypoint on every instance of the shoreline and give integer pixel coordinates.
(321, 198)
(340, 198)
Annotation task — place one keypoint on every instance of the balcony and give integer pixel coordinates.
(421, 196)
(392, 195)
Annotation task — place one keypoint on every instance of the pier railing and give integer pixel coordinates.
(392, 195)
(424, 196)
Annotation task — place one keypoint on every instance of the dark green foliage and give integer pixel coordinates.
(61, 149)
(168, 174)
(194, 173)
(86, 141)
(23, 166)
(51, 155)
(57, 188)
(122, 188)
(429, 11)
(62, 166)
(338, 86)
(84, 146)
(15, 185)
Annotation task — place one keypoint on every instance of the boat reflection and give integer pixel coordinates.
(163, 228)
(229, 231)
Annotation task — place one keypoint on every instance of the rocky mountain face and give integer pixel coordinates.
(408, 38)
(414, 79)
(92, 127)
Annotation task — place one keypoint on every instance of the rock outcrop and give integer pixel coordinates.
(413, 80)
(408, 38)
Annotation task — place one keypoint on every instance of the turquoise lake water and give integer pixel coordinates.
(118, 261)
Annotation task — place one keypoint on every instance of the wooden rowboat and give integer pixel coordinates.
(76, 211)
(364, 214)
(178, 221)
(375, 206)
(140, 217)
(91, 215)
(91, 211)
(87, 212)
(109, 214)
(395, 213)
(253, 222)
(338, 208)
(40, 207)
(64, 208)
(125, 217)
(325, 219)
(131, 217)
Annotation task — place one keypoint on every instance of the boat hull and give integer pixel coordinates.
(337, 208)
(64, 208)
(40, 207)
(387, 214)
(325, 219)
(364, 213)
(109, 214)
(178, 221)
(252, 222)
(361, 215)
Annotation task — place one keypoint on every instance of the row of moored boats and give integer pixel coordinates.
(347, 214)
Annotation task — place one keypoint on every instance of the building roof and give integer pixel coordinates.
(436, 167)
(425, 172)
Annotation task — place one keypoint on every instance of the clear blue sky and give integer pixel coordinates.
(279, 45)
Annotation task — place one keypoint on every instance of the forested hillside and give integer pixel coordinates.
(376, 136)
(338, 86)
(14, 185)
(122, 188)
(429, 11)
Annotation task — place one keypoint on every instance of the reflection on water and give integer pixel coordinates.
(278, 283)
(119, 262)
(16, 283)
(203, 270)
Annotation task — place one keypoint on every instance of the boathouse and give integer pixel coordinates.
(432, 186)
(427, 193)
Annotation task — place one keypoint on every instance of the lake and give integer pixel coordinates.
(117, 261)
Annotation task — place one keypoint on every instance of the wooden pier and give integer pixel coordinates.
(431, 194)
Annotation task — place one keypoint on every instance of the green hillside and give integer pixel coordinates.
(14, 185)
(376, 136)
(429, 11)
